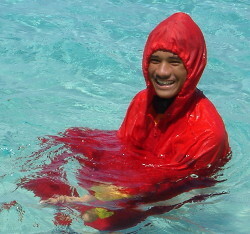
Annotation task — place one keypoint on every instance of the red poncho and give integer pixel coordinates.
(190, 138)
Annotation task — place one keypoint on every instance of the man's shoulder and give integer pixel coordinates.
(207, 109)
(207, 119)
(141, 94)
(140, 97)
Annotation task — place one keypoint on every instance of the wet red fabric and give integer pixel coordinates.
(190, 137)
(154, 161)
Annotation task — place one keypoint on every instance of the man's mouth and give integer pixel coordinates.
(162, 82)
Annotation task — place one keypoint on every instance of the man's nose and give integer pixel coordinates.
(163, 70)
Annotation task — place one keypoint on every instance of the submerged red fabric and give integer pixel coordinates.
(154, 161)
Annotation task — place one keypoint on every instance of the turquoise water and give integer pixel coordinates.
(78, 63)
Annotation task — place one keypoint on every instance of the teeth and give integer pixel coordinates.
(167, 82)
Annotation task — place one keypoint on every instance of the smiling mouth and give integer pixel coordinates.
(164, 82)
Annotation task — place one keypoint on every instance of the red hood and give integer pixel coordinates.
(180, 35)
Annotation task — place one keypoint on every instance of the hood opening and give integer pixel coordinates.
(180, 35)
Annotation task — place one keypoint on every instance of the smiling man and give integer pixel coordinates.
(172, 118)
(172, 139)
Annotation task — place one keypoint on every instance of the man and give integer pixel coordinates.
(171, 118)
(171, 141)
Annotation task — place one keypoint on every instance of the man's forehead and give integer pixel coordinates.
(169, 52)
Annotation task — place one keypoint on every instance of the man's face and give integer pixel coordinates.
(167, 73)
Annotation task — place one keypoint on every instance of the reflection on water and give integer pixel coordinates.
(90, 175)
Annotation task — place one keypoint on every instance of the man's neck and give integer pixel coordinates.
(160, 105)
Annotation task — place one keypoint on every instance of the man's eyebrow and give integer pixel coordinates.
(154, 56)
(175, 56)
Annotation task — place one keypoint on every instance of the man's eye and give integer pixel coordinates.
(154, 60)
(175, 62)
